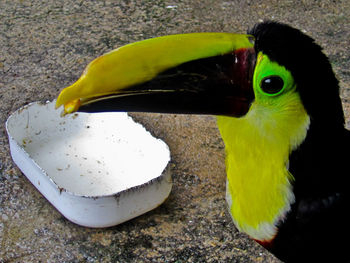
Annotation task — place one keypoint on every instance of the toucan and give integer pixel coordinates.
(278, 111)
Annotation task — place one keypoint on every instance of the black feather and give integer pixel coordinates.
(316, 82)
(315, 228)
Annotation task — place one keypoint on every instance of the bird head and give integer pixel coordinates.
(210, 73)
(271, 88)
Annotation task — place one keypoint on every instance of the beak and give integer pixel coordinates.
(199, 73)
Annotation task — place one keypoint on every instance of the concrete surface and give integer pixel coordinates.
(44, 46)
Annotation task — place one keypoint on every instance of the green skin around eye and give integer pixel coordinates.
(265, 68)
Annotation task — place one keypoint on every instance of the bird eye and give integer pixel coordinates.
(272, 85)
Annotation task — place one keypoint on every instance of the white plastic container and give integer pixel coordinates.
(98, 169)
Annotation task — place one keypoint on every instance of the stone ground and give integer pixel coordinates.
(44, 46)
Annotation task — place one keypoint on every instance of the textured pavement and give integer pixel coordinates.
(45, 45)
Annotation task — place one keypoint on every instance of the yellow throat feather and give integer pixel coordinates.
(259, 191)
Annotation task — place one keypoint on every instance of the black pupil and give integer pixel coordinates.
(272, 84)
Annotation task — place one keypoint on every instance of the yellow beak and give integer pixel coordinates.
(112, 73)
